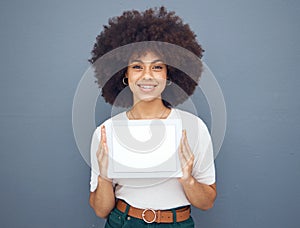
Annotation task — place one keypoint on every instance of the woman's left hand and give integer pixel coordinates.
(186, 158)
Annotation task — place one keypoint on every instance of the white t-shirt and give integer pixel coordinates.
(162, 193)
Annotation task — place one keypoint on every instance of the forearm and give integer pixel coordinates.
(103, 199)
(200, 195)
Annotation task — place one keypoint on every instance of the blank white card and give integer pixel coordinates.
(144, 148)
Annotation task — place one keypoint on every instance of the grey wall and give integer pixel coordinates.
(252, 48)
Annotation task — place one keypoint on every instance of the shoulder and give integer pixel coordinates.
(189, 119)
(197, 131)
(107, 122)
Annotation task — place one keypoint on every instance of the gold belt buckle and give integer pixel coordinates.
(144, 214)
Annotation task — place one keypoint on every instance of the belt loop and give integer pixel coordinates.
(126, 210)
(158, 216)
(174, 215)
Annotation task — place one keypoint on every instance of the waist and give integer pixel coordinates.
(159, 216)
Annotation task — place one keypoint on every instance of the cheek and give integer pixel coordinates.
(164, 74)
(132, 77)
(163, 82)
(131, 81)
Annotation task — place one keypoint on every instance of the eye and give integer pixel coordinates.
(137, 67)
(158, 67)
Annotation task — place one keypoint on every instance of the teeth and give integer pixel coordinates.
(147, 86)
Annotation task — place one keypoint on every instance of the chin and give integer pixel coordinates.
(149, 98)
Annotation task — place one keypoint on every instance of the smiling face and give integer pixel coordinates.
(146, 77)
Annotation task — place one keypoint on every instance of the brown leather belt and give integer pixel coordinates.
(158, 216)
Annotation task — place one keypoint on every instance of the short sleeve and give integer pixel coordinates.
(204, 167)
(94, 163)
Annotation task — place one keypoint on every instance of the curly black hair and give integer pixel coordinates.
(134, 27)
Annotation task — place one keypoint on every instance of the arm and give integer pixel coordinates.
(200, 195)
(102, 200)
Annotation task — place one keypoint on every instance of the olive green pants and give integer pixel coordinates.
(118, 219)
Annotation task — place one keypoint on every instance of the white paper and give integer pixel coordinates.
(144, 148)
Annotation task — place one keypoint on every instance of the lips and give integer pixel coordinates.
(147, 87)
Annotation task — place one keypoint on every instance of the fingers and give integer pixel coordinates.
(102, 147)
(102, 142)
(102, 154)
(186, 158)
(186, 154)
(181, 158)
(104, 150)
(103, 134)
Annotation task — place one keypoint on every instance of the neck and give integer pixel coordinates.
(154, 109)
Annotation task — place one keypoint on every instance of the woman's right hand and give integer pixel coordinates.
(102, 200)
(102, 155)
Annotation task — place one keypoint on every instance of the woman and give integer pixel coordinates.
(150, 79)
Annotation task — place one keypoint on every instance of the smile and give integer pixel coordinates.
(146, 87)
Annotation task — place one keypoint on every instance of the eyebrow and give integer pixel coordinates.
(140, 61)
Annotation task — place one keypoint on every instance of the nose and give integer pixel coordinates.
(147, 73)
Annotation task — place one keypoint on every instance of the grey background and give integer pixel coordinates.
(252, 48)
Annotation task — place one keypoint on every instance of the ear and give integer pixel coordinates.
(125, 72)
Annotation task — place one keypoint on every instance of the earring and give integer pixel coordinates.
(169, 82)
(125, 81)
